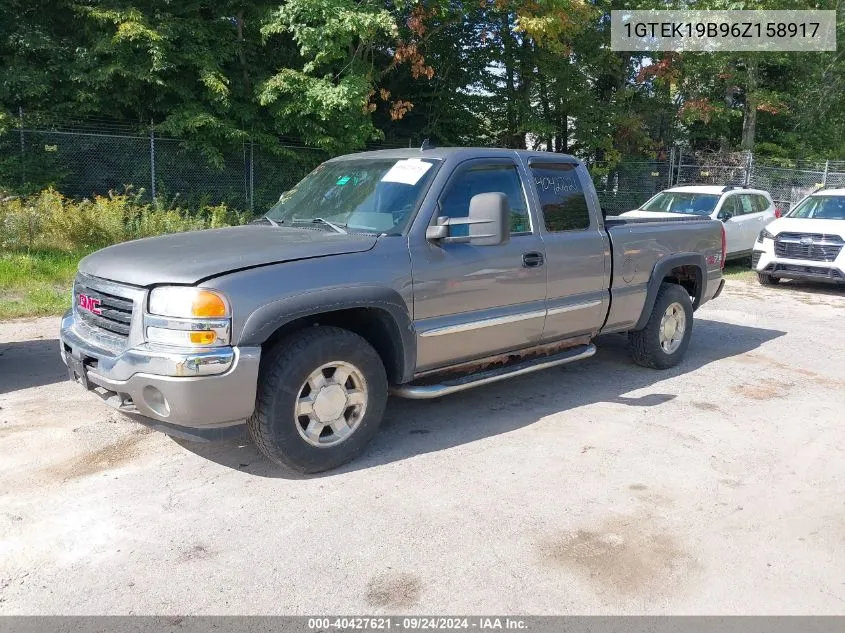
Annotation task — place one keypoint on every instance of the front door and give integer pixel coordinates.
(473, 301)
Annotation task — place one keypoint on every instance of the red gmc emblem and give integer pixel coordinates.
(89, 303)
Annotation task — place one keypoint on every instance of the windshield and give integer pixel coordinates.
(682, 202)
(366, 195)
(820, 208)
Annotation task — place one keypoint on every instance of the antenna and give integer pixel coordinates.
(426, 144)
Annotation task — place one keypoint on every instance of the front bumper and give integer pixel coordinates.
(202, 390)
(764, 260)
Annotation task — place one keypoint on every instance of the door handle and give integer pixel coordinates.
(532, 259)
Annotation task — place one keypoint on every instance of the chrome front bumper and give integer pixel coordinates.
(202, 389)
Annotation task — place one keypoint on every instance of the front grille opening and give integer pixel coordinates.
(817, 247)
(103, 310)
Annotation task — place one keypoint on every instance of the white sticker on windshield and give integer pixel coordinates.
(408, 171)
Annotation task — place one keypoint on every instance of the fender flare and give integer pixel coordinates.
(265, 320)
(659, 272)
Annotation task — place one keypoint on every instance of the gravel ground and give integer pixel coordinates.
(597, 488)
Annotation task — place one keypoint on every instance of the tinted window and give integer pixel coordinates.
(762, 203)
(561, 197)
(485, 179)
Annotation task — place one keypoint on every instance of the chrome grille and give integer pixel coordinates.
(115, 311)
(817, 247)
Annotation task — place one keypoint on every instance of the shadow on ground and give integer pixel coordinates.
(414, 427)
(810, 287)
(25, 364)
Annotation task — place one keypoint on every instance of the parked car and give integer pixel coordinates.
(806, 243)
(744, 211)
(421, 272)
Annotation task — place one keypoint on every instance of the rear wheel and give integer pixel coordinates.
(321, 398)
(663, 341)
(767, 280)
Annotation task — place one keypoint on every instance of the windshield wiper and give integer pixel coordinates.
(336, 227)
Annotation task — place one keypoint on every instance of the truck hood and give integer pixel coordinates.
(803, 225)
(187, 258)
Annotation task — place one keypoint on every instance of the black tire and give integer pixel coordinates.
(284, 369)
(767, 280)
(645, 343)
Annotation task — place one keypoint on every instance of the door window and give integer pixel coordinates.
(561, 197)
(746, 204)
(489, 178)
(762, 203)
(730, 208)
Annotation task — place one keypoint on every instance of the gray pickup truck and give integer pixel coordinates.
(413, 272)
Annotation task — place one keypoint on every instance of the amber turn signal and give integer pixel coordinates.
(208, 304)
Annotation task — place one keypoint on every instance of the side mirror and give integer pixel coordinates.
(489, 222)
(490, 219)
(724, 216)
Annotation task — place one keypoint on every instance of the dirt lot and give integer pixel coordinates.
(716, 487)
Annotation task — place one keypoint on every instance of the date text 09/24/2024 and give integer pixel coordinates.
(417, 623)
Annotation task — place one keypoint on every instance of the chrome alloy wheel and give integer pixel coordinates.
(331, 404)
(672, 327)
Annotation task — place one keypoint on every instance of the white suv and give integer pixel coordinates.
(806, 243)
(744, 211)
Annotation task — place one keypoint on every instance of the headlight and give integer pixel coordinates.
(764, 235)
(182, 316)
(186, 302)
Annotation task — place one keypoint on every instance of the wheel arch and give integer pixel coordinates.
(379, 315)
(685, 269)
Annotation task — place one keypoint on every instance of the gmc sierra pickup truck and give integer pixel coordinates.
(413, 272)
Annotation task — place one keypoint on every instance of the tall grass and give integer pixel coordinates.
(43, 237)
(50, 221)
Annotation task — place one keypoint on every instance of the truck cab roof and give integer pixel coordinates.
(461, 153)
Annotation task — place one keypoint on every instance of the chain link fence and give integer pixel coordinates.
(627, 184)
(99, 157)
(82, 163)
(788, 181)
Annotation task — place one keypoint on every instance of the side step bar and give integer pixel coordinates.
(424, 392)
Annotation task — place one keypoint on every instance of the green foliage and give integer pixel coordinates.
(336, 74)
(49, 221)
(36, 283)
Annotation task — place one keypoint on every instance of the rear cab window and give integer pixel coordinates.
(562, 199)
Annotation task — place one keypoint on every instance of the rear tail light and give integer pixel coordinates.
(724, 244)
(778, 212)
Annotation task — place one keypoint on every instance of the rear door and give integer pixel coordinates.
(577, 248)
(750, 219)
(730, 213)
(473, 301)
(766, 207)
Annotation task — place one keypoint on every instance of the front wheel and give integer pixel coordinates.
(663, 341)
(321, 398)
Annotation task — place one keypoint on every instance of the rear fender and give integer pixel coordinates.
(661, 270)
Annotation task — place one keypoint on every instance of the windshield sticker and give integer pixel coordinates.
(407, 171)
(343, 180)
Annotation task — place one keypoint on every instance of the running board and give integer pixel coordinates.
(423, 392)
